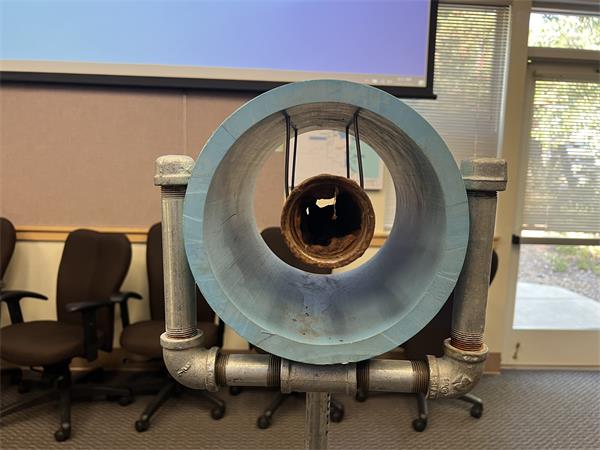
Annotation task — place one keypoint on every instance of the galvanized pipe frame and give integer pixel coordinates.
(450, 376)
(172, 175)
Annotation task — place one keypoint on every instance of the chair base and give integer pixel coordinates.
(263, 422)
(167, 389)
(58, 386)
(420, 423)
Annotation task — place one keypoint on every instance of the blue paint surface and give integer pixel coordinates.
(324, 319)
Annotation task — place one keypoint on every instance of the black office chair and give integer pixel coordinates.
(143, 338)
(430, 341)
(274, 240)
(8, 239)
(92, 268)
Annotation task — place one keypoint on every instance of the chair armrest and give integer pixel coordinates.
(86, 306)
(13, 298)
(121, 298)
(90, 334)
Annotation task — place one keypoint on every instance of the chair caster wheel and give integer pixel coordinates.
(263, 422)
(62, 435)
(217, 412)
(476, 411)
(235, 390)
(360, 396)
(142, 425)
(336, 415)
(124, 401)
(419, 424)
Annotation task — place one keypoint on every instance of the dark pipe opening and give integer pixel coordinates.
(328, 221)
(325, 220)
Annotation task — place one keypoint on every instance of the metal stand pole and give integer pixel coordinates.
(317, 420)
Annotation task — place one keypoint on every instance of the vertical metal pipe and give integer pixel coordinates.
(172, 175)
(317, 420)
(483, 177)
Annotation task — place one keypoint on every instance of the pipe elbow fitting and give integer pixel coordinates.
(456, 373)
(189, 363)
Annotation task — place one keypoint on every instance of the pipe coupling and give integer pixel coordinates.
(299, 377)
(189, 363)
(456, 373)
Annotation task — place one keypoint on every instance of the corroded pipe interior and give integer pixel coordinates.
(328, 221)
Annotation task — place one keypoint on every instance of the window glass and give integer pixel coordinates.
(562, 192)
(564, 31)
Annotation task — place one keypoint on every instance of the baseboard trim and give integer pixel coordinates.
(44, 233)
(47, 233)
(493, 363)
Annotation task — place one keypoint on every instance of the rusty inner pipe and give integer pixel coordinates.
(328, 221)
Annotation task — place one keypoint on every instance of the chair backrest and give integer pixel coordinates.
(274, 240)
(92, 268)
(8, 238)
(154, 264)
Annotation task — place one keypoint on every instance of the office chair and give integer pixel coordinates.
(8, 238)
(274, 240)
(143, 338)
(92, 268)
(429, 341)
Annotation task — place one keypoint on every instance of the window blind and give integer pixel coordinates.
(562, 192)
(470, 58)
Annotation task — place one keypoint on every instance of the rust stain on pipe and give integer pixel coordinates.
(328, 221)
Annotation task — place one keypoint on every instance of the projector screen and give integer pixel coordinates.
(245, 44)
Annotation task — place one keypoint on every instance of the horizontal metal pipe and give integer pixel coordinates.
(299, 377)
(196, 367)
(387, 375)
(247, 370)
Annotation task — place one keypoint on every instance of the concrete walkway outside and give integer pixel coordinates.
(544, 307)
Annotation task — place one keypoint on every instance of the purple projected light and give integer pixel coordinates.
(368, 39)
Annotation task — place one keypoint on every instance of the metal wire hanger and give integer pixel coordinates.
(288, 131)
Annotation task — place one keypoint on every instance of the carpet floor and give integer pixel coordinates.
(523, 410)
